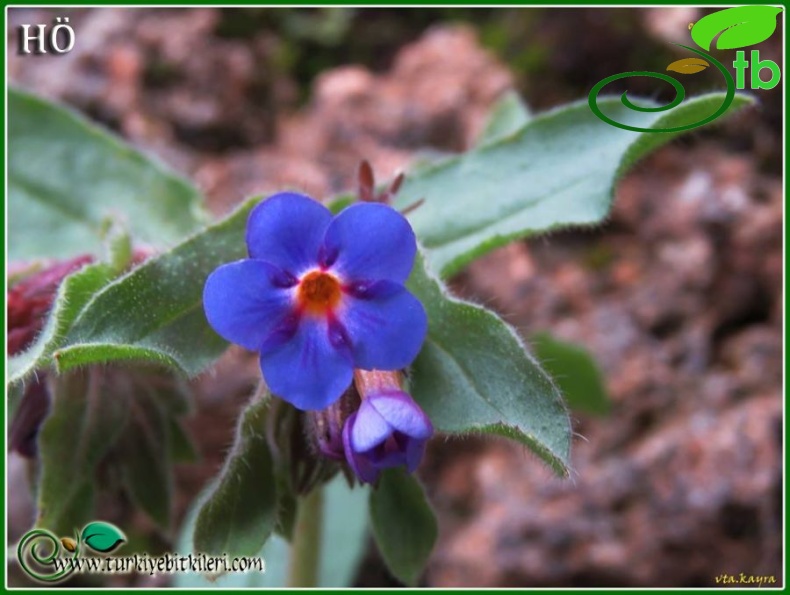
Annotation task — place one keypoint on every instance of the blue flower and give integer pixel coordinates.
(319, 296)
(388, 430)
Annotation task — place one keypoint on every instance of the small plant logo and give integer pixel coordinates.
(98, 536)
(735, 28)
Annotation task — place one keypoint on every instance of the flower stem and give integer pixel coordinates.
(306, 544)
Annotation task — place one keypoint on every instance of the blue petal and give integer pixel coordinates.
(308, 369)
(402, 413)
(370, 428)
(369, 241)
(245, 300)
(287, 230)
(362, 467)
(386, 326)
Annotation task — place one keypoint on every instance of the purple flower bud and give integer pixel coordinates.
(388, 430)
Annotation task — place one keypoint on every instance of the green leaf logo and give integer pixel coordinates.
(739, 27)
(102, 537)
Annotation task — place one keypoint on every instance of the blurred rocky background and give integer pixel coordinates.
(678, 296)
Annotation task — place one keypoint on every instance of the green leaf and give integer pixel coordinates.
(344, 533)
(240, 514)
(66, 177)
(111, 417)
(14, 395)
(740, 26)
(575, 372)
(558, 170)
(507, 117)
(118, 247)
(85, 421)
(74, 292)
(102, 537)
(182, 448)
(155, 313)
(286, 506)
(473, 373)
(339, 203)
(144, 456)
(342, 545)
(403, 523)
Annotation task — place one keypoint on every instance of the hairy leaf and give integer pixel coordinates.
(86, 418)
(240, 513)
(473, 373)
(72, 295)
(145, 459)
(343, 540)
(558, 170)
(403, 524)
(155, 313)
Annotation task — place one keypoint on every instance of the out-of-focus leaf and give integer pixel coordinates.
(339, 203)
(182, 449)
(740, 26)
(144, 458)
(403, 524)
(342, 545)
(344, 533)
(558, 170)
(240, 513)
(575, 372)
(688, 65)
(508, 116)
(106, 414)
(66, 177)
(474, 374)
(85, 421)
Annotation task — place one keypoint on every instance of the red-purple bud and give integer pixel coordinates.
(30, 300)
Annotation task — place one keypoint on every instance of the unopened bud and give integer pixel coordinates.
(292, 449)
(325, 427)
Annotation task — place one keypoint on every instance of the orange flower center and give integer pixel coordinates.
(318, 292)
